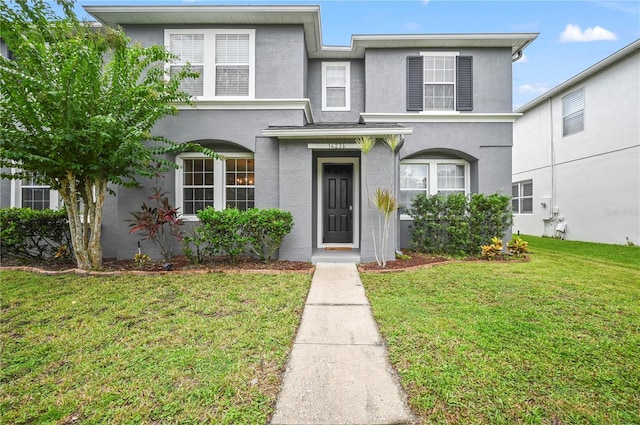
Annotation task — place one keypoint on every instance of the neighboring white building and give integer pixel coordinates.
(576, 155)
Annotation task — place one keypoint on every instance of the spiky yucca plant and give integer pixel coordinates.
(387, 205)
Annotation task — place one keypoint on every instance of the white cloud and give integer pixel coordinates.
(425, 2)
(574, 33)
(535, 88)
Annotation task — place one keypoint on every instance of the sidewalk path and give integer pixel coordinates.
(338, 371)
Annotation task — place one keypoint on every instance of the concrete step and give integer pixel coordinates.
(335, 257)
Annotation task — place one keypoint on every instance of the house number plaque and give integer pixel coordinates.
(336, 146)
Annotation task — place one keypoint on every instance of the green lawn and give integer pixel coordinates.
(171, 349)
(552, 341)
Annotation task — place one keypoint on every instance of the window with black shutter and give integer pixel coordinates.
(439, 82)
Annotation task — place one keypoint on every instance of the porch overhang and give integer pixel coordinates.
(336, 131)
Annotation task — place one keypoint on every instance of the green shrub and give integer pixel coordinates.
(232, 232)
(265, 230)
(457, 224)
(440, 224)
(34, 235)
(194, 244)
(489, 215)
(223, 232)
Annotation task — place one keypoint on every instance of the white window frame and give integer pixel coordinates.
(566, 114)
(16, 194)
(347, 86)
(209, 64)
(219, 179)
(433, 176)
(521, 197)
(425, 82)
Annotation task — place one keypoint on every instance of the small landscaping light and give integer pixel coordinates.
(167, 266)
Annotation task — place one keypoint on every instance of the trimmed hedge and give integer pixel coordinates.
(457, 224)
(34, 235)
(232, 232)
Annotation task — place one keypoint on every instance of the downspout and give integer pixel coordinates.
(553, 168)
(516, 56)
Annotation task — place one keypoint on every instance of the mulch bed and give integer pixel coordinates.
(181, 264)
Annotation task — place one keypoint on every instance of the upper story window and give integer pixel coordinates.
(30, 193)
(225, 59)
(336, 86)
(439, 81)
(522, 197)
(203, 182)
(573, 112)
(431, 176)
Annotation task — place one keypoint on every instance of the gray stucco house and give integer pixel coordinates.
(285, 111)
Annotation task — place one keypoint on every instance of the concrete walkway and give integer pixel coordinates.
(338, 371)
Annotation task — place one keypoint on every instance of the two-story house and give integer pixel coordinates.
(286, 111)
(576, 155)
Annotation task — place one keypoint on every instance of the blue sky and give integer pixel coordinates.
(573, 34)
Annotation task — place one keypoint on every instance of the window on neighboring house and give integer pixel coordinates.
(223, 57)
(219, 183)
(29, 193)
(336, 86)
(439, 82)
(431, 176)
(522, 197)
(573, 112)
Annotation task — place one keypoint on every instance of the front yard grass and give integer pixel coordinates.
(171, 349)
(555, 340)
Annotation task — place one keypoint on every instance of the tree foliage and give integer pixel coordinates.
(77, 106)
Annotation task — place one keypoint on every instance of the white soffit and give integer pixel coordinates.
(333, 133)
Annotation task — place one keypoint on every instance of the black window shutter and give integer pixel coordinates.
(464, 80)
(415, 83)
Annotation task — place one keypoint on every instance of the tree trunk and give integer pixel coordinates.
(85, 234)
(95, 247)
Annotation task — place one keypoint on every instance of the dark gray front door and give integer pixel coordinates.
(337, 209)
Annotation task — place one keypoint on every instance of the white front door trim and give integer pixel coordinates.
(356, 201)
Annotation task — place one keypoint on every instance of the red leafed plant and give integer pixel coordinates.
(159, 222)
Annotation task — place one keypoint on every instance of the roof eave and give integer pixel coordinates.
(576, 79)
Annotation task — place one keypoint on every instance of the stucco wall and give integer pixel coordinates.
(280, 56)
(223, 131)
(357, 93)
(386, 78)
(590, 177)
(296, 186)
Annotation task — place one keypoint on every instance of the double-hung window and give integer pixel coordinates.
(224, 58)
(573, 112)
(31, 193)
(336, 86)
(430, 177)
(439, 81)
(522, 197)
(189, 48)
(203, 182)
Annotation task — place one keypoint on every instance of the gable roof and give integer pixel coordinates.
(609, 60)
(306, 15)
